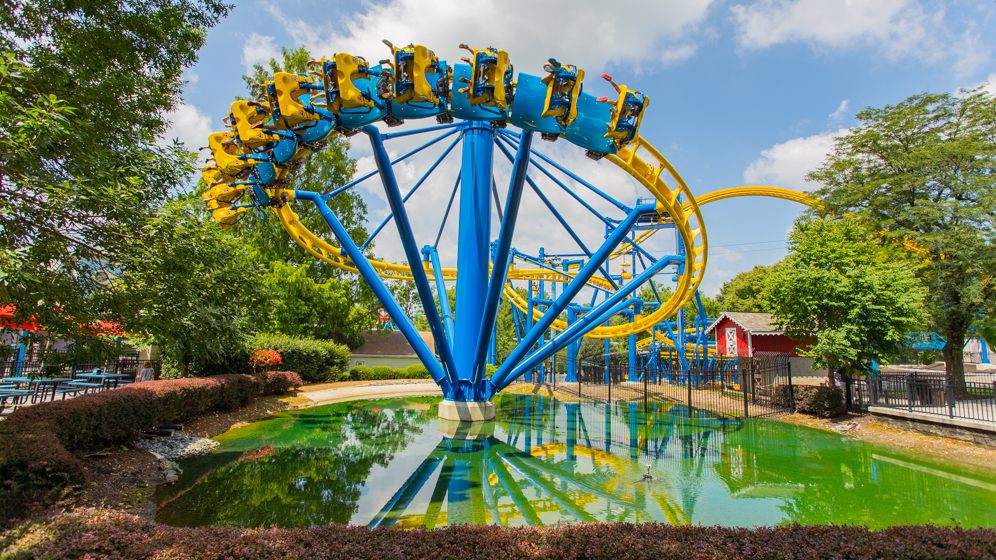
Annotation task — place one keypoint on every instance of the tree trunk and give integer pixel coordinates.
(954, 364)
(184, 367)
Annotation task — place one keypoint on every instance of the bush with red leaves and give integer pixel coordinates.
(89, 533)
(37, 443)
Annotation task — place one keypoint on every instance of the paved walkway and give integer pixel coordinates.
(334, 392)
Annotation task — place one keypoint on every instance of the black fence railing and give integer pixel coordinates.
(739, 387)
(57, 365)
(924, 393)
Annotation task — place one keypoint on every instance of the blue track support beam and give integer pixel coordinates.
(369, 274)
(473, 257)
(588, 185)
(390, 135)
(502, 252)
(411, 192)
(612, 305)
(355, 182)
(444, 297)
(571, 291)
(393, 194)
(557, 215)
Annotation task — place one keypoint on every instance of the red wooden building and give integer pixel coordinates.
(743, 334)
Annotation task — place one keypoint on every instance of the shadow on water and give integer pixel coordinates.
(391, 463)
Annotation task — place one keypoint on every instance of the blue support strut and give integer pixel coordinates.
(503, 252)
(599, 314)
(369, 274)
(572, 289)
(393, 194)
(473, 256)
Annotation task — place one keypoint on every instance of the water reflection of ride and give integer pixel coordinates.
(540, 474)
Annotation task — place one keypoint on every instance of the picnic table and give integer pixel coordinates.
(46, 386)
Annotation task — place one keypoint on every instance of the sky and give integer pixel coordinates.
(742, 93)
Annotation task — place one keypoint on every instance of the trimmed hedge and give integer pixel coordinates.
(37, 443)
(380, 373)
(91, 533)
(316, 361)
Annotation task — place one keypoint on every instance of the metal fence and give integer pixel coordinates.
(59, 365)
(738, 387)
(925, 393)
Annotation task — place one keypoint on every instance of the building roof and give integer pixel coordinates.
(393, 344)
(754, 323)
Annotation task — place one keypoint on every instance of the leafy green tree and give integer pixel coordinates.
(303, 307)
(923, 171)
(743, 291)
(320, 171)
(85, 92)
(187, 286)
(844, 293)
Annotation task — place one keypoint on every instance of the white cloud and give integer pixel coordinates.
(676, 55)
(587, 33)
(837, 115)
(188, 125)
(258, 49)
(786, 165)
(899, 28)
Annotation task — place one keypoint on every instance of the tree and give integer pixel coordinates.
(842, 292)
(321, 171)
(87, 87)
(187, 286)
(923, 171)
(743, 291)
(304, 307)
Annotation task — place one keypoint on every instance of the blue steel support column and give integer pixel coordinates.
(436, 371)
(634, 449)
(393, 194)
(21, 351)
(529, 322)
(502, 250)
(473, 256)
(608, 351)
(572, 428)
(444, 298)
(572, 350)
(632, 355)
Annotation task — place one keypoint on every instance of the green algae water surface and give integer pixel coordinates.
(387, 463)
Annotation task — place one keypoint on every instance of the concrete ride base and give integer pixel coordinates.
(461, 411)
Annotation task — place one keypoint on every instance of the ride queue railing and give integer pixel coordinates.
(739, 387)
(929, 394)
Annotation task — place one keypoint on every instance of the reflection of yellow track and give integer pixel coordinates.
(650, 173)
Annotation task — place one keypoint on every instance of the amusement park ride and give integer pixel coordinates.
(474, 103)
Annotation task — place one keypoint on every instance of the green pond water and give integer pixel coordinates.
(386, 463)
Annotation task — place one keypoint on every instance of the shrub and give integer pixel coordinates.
(383, 372)
(822, 402)
(418, 371)
(316, 361)
(92, 533)
(37, 442)
(400, 373)
(361, 373)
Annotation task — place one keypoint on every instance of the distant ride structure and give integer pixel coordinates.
(473, 104)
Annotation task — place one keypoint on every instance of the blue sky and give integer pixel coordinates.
(743, 93)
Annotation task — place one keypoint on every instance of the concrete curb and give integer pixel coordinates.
(329, 396)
